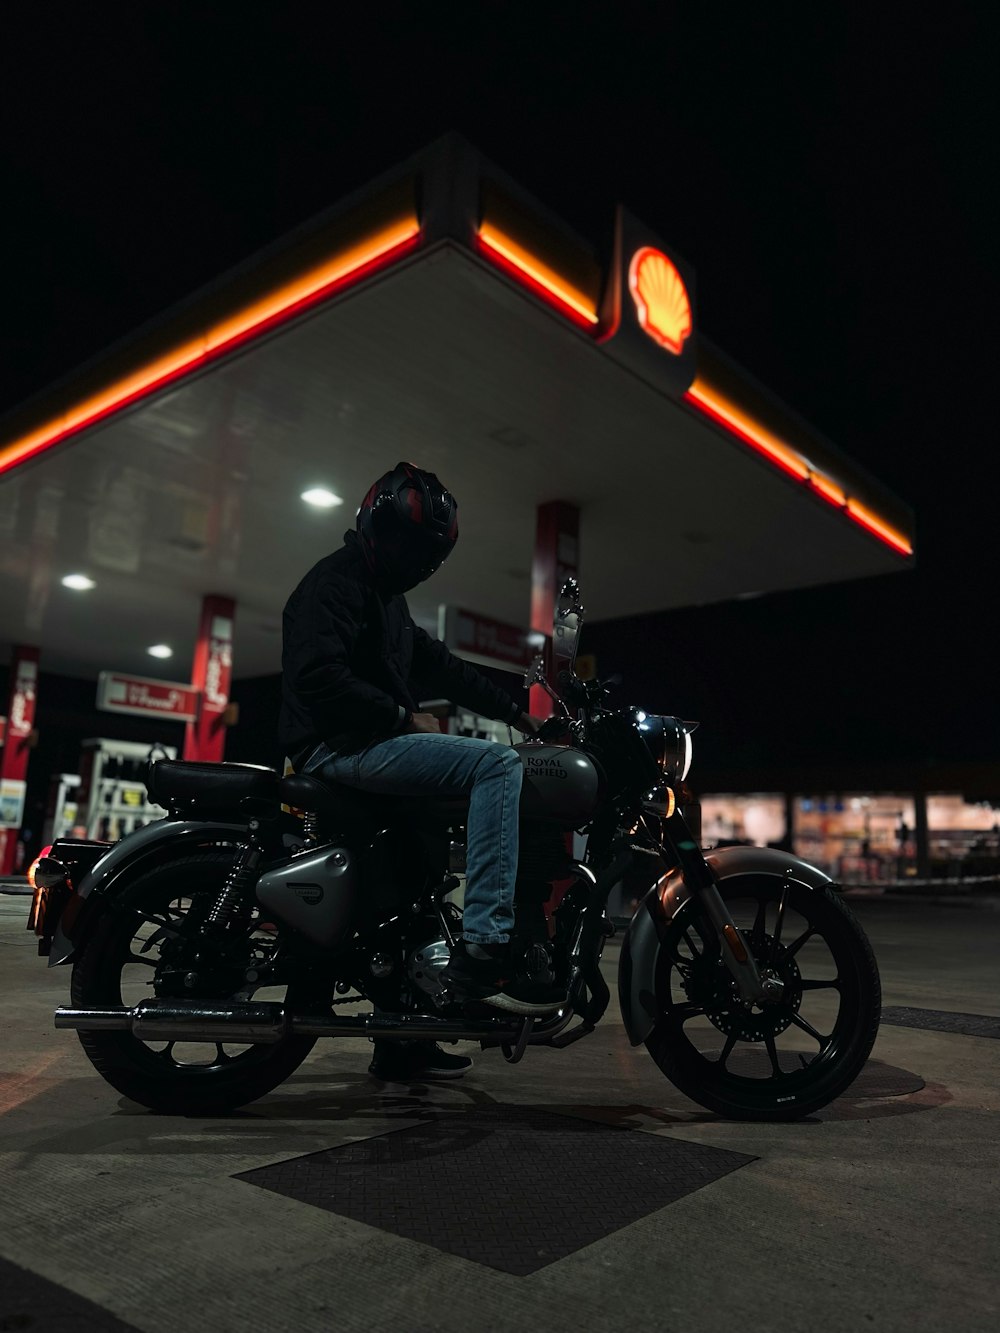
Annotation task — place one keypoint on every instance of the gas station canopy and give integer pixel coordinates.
(443, 317)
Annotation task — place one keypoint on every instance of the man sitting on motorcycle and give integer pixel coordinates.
(349, 715)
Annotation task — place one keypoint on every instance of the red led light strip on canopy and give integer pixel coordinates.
(284, 303)
(732, 418)
(557, 291)
(510, 256)
(369, 255)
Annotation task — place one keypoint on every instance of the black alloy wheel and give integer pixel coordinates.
(786, 1058)
(119, 965)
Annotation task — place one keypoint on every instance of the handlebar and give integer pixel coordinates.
(572, 690)
(583, 692)
(553, 728)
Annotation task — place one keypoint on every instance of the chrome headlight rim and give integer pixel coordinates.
(668, 739)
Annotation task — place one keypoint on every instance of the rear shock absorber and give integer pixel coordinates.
(237, 893)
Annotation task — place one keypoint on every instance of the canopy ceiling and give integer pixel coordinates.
(441, 360)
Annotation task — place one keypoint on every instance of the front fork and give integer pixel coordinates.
(700, 879)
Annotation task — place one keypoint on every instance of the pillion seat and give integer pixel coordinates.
(177, 785)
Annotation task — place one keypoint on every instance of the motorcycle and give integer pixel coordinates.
(211, 950)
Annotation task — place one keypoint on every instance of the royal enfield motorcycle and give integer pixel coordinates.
(211, 950)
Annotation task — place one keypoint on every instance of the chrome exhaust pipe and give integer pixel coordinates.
(253, 1023)
(191, 1020)
(157, 1020)
(94, 1020)
(407, 1027)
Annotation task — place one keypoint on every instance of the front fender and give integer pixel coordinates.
(641, 944)
(159, 840)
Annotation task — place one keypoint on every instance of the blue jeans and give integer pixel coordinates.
(424, 764)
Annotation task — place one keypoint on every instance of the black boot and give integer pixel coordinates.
(415, 1062)
(494, 980)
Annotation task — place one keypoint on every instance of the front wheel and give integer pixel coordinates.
(789, 1057)
(119, 965)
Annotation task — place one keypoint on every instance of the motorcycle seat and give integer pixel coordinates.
(333, 801)
(172, 783)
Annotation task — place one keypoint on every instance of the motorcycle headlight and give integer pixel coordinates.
(668, 740)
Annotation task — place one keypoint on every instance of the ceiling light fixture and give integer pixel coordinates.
(160, 650)
(78, 582)
(321, 498)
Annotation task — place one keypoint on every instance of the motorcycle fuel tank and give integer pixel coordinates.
(561, 785)
(313, 893)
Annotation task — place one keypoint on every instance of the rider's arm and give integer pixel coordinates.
(441, 673)
(318, 668)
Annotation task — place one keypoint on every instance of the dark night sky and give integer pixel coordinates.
(826, 168)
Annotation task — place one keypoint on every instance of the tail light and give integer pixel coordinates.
(48, 878)
(36, 862)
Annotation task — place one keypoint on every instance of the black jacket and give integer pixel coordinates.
(354, 665)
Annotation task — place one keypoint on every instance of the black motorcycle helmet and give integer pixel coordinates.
(408, 526)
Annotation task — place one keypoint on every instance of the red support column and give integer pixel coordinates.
(205, 739)
(17, 747)
(557, 542)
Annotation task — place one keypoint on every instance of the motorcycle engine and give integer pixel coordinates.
(425, 965)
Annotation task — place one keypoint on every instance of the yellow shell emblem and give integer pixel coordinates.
(661, 300)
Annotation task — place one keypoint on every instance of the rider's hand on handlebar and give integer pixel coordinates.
(544, 728)
(529, 724)
(554, 729)
(422, 722)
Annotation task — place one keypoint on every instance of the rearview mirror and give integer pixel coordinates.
(567, 623)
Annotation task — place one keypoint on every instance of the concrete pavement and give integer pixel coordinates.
(880, 1212)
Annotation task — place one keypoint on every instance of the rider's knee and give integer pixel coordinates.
(507, 758)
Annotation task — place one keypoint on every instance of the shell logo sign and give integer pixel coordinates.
(661, 301)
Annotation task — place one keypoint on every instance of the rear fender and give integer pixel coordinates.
(643, 938)
(162, 840)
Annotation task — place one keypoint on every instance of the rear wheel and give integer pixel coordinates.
(785, 1059)
(118, 966)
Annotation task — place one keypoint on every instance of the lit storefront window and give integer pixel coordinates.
(758, 819)
(862, 837)
(963, 838)
(856, 838)
(870, 838)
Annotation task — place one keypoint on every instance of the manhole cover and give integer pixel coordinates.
(510, 1187)
(941, 1020)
